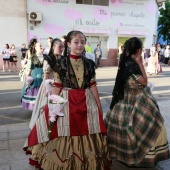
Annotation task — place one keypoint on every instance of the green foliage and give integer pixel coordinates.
(164, 22)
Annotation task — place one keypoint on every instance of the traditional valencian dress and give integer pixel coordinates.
(41, 99)
(154, 66)
(78, 140)
(135, 127)
(35, 64)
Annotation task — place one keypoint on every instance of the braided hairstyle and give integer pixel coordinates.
(54, 41)
(31, 45)
(131, 47)
(50, 57)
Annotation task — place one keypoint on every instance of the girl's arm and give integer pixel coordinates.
(143, 79)
(14, 52)
(46, 69)
(95, 93)
(57, 86)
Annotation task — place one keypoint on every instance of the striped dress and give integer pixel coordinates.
(78, 140)
(135, 127)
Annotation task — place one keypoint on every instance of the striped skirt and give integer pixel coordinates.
(77, 141)
(136, 132)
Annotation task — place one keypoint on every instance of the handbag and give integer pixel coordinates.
(15, 58)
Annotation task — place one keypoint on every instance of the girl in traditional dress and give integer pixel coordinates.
(30, 52)
(34, 71)
(55, 52)
(154, 66)
(135, 127)
(77, 140)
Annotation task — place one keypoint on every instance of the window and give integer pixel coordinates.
(93, 2)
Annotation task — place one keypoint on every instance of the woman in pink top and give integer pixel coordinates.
(13, 58)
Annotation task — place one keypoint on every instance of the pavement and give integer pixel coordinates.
(14, 120)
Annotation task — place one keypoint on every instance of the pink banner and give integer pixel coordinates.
(53, 29)
(72, 14)
(91, 30)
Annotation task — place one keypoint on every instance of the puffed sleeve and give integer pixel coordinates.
(46, 67)
(29, 64)
(56, 72)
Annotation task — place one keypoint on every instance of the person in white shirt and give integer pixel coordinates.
(6, 57)
(152, 49)
(90, 56)
(166, 55)
(162, 52)
(47, 49)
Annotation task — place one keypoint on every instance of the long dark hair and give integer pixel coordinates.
(52, 44)
(50, 57)
(31, 45)
(69, 37)
(7, 46)
(130, 47)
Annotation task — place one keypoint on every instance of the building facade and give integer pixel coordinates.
(105, 22)
(13, 25)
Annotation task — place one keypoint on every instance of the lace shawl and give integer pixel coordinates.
(127, 67)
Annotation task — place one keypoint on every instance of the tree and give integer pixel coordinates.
(164, 22)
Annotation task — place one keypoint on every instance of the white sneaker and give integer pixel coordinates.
(3, 70)
(9, 70)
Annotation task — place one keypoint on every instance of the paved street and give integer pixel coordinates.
(14, 119)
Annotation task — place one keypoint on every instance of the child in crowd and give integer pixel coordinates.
(6, 58)
(78, 139)
(135, 126)
(55, 52)
(23, 51)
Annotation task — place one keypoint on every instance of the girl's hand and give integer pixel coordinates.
(138, 59)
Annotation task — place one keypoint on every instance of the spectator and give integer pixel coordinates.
(63, 39)
(6, 58)
(98, 55)
(13, 58)
(154, 66)
(88, 48)
(151, 49)
(23, 51)
(47, 49)
(167, 55)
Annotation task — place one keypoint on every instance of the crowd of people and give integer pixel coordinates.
(9, 55)
(67, 126)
